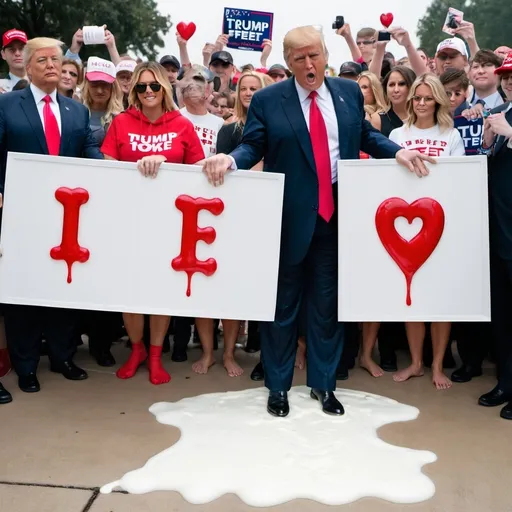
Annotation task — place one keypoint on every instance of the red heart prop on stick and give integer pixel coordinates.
(386, 19)
(186, 30)
(410, 255)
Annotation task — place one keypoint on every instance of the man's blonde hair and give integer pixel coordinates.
(40, 43)
(301, 37)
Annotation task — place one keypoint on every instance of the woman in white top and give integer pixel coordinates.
(429, 129)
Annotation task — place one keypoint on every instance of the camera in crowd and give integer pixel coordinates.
(340, 21)
(453, 21)
(384, 35)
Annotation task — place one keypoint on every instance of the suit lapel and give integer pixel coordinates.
(28, 105)
(293, 111)
(65, 124)
(341, 112)
(501, 140)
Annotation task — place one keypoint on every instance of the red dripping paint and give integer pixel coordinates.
(191, 233)
(69, 249)
(410, 255)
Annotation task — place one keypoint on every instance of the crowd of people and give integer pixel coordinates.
(180, 111)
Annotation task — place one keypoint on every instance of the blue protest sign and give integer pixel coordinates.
(247, 29)
(471, 133)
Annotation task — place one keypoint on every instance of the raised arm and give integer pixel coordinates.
(402, 37)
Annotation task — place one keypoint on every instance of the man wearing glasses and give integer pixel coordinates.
(366, 41)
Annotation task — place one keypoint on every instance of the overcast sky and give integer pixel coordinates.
(207, 15)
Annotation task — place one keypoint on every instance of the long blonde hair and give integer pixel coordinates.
(240, 110)
(158, 71)
(378, 93)
(114, 105)
(442, 115)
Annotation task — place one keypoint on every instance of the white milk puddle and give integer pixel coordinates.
(230, 444)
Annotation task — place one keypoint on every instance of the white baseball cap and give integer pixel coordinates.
(126, 65)
(100, 70)
(452, 44)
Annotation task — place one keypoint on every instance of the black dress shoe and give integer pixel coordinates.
(465, 373)
(278, 404)
(69, 370)
(342, 372)
(330, 404)
(258, 372)
(179, 355)
(29, 383)
(105, 358)
(494, 398)
(506, 412)
(5, 396)
(388, 363)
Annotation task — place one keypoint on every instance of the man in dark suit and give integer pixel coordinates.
(498, 143)
(38, 120)
(301, 127)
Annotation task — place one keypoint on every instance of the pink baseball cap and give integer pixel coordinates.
(14, 35)
(506, 67)
(100, 70)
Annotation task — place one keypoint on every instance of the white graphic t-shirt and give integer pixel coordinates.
(207, 128)
(430, 141)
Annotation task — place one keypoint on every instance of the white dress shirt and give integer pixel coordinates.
(38, 97)
(326, 106)
(492, 101)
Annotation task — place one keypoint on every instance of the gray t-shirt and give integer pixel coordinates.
(98, 131)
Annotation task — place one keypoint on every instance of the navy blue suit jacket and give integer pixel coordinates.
(21, 129)
(276, 132)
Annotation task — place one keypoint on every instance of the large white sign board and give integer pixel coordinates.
(453, 283)
(133, 231)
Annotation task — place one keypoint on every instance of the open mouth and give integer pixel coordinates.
(310, 78)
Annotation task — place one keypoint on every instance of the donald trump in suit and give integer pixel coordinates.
(301, 127)
(40, 121)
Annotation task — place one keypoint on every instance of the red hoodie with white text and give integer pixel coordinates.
(132, 136)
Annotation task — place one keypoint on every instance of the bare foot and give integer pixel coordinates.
(407, 373)
(300, 358)
(440, 380)
(371, 367)
(202, 366)
(232, 367)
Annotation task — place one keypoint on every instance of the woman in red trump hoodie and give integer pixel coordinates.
(150, 132)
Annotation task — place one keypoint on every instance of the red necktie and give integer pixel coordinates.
(51, 127)
(320, 143)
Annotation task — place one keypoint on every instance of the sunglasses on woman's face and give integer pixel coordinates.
(141, 88)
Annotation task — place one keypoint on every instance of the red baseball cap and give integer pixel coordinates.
(506, 67)
(14, 35)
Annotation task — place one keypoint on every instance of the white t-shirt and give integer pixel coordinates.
(207, 128)
(430, 141)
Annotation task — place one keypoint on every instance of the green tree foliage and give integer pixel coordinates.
(492, 20)
(136, 24)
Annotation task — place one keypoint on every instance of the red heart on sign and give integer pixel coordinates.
(410, 255)
(386, 19)
(186, 30)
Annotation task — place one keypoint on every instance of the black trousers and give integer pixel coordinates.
(474, 341)
(102, 327)
(24, 326)
(501, 306)
(182, 327)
